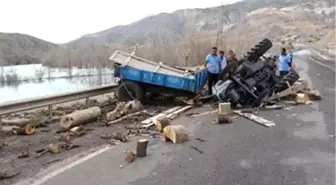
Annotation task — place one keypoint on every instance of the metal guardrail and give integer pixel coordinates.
(48, 101)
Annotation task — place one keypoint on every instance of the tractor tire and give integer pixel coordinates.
(258, 50)
(291, 78)
(129, 91)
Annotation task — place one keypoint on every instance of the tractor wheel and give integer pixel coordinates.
(129, 91)
(258, 50)
(291, 78)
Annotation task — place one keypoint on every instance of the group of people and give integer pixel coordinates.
(216, 62)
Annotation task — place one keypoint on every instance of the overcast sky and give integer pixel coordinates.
(60, 21)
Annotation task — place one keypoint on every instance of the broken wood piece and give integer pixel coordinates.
(313, 94)
(176, 133)
(224, 108)
(129, 156)
(55, 148)
(198, 150)
(272, 107)
(161, 124)
(298, 86)
(127, 116)
(80, 117)
(51, 161)
(255, 118)
(223, 119)
(141, 148)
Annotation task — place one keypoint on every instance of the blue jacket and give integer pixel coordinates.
(212, 63)
(284, 61)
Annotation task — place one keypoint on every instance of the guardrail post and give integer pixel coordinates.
(50, 111)
(87, 101)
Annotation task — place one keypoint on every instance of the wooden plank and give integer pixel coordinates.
(178, 112)
(149, 120)
(255, 118)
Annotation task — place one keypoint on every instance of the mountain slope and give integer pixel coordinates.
(177, 25)
(22, 49)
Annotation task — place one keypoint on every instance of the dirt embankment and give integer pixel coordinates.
(19, 153)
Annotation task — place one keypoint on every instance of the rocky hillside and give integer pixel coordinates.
(22, 49)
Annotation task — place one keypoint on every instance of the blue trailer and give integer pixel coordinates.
(138, 76)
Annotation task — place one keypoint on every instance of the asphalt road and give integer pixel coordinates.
(300, 149)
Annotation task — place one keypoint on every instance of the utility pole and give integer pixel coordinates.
(219, 38)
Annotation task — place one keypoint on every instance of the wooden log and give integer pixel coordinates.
(28, 129)
(15, 122)
(302, 98)
(80, 117)
(161, 124)
(141, 149)
(224, 108)
(223, 119)
(176, 133)
(132, 106)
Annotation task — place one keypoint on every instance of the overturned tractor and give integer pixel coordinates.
(254, 80)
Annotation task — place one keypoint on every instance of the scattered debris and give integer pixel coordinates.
(255, 118)
(51, 161)
(198, 150)
(332, 136)
(6, 175)
(129, 157)
(117, 136)
(80, 117)
(23, 155)
(175, 133)
(223, 119)
(272, 107)
(141, 149)
(200, 139)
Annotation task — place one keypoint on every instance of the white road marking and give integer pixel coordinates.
(322, 64)
(50, 175)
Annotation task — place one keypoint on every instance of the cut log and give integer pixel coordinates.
(129, 156)
(223, 119)
(161, 124)
(176, 133)
(302, 98)
(224, 108)
(141, 149)
(80, 117)
(29, 129)
(15, 122)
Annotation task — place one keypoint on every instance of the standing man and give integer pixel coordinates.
(232, 62)
(222, 60)
(213, 66)
(284, 63)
